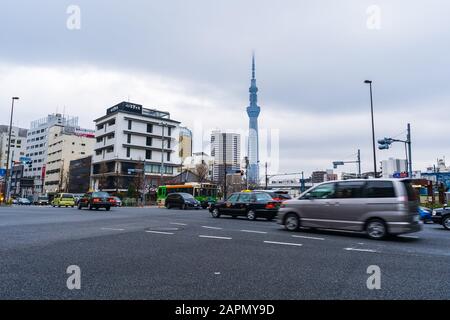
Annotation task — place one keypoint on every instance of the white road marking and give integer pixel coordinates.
(215, 228)
(412, 237)
(254, 231)
(158, 232)
(284, 243)
(214, 237)
(362, 250)
(306, 237)
(113, 229)
(179, 224)
(216, 273)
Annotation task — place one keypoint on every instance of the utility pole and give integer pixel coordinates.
(373, 130)
(266, 179)
(6, 196)
(302, 183)
(359, 163)
(408, 139)
(162, 154)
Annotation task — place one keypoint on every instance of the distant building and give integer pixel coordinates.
(134, 143)
(79, 175)
(65, 144)
(393, 166)
(197, 158)
(322, 176)
(185, 143)
(38, 144)
(18, 144)
(226, 151)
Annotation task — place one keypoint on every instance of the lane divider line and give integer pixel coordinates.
(215, 237)
(362, 250)
(254, 231)
(214, 228)
(284, 243)
(113, 229)
(307, 237)
(158, 232)
(179, 224)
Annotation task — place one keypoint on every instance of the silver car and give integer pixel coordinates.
(378, 207)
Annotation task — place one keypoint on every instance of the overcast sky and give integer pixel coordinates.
(192, 58)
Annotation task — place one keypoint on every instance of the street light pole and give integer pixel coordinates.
(408, 139)
(373, 130)
(6, 197)
(359, 163)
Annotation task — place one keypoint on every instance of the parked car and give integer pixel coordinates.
(23, 202)
(96, 200)
(425, 214)
(181, 200)
(441, 216)
(63, 200)
(252, 205)
(42, 201)
(377, 207)
(118, 202)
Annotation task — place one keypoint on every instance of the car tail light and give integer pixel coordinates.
(111, 200)
(96, 200)
(271, 205)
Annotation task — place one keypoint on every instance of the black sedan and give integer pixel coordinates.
(182, 201)
(442, 216)
(96, 200)
(248, 204)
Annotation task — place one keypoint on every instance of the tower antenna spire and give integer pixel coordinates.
(253, 65)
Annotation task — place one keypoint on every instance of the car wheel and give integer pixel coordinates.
(90, 207)
(108, 208)
(234, 216)
(168, 205)
(376, 229)
(79, 207)
(215, 213)
(183, 206)
(251, 215)
(292, 223)
(446, 222)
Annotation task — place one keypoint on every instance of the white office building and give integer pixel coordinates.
(18, 144)
(37, 146)
(393, 166)
(131, 139)
(226, 151)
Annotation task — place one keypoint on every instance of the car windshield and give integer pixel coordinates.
(42, 198)
(67, 196)
(187, 196)
(100, 194)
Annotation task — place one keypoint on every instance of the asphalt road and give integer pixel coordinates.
(151, 253)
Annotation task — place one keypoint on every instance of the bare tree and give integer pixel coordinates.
(201, 170)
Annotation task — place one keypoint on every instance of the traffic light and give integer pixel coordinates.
(385, 143)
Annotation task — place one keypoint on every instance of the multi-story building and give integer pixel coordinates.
(18, 144)
(37, 146)
(226, 151)
(134, 143)
(322, 176)
(185, 143)
(65, 143)
(392, 167)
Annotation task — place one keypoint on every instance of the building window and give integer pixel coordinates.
(128, 138)
(129, 124)
(149, 128)
(149, 141)
(168, 144)
(168, 156)
(98, 152)
(128, 152)
(148, 154)
(100, 126)
(169, 131)
(112, 122)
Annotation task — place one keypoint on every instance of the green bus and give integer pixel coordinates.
(206, 193)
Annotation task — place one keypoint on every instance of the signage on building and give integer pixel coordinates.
(126, 106)
(400, 175)
(43, 173)
(2, 172)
